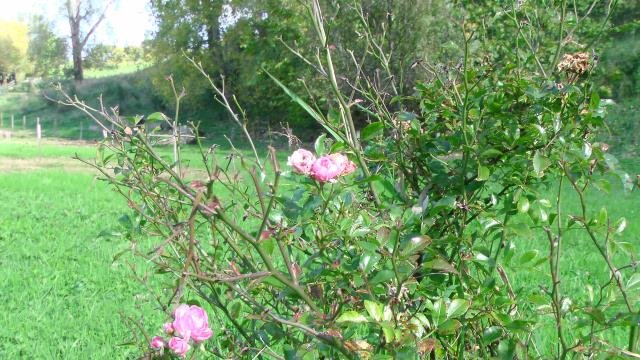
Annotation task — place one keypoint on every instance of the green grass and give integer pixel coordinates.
(581, 264)
(61, 293)
(124, 68)
(29, 149)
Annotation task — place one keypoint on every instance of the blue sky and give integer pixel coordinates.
(128, 22)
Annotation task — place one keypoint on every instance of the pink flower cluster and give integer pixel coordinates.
(189, 323)
(324, 169)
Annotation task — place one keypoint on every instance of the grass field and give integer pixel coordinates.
(63, 294)
(581, 264)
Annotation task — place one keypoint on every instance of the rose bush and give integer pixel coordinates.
(414, 254)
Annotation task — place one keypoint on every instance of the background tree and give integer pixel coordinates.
(14, 41)
(47, 52)
(102, 56)
(81, 12)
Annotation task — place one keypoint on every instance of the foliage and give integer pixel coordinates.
(84, 18)
(102, 56)
(47, 52)
(13, 46)
(416, 254)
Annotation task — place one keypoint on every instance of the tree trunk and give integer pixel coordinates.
(78, 40)
(73, 13)
(78, 73)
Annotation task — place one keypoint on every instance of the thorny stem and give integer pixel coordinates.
(345, 110)
(254, 242)
(222, 99)
(615, 273)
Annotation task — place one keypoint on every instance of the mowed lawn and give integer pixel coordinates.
(582, 268)
(62, 295)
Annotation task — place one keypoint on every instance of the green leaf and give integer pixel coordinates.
(352, 316)
(374, 309)
(416, 244)
(314, 114)
(371, 130)
(491, 334)
(368, 261)
(407, 116)
(449, 327)
(621, 224)
(595, 101)
(457, 308)
(439, 312)
(506, 349)
(602, 216)
(483, 173)
(319, 145)
(523, 205)
(528, 256)
(587, 150)
(382, 276)
(389, 333)
(156, 116)
(440, 264)
(633, 282)
(540, 163)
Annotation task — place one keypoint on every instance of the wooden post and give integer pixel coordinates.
(38, 130)
(55, 126)
(81, 129)
(24, 121)
(105, 133)
(11, 122)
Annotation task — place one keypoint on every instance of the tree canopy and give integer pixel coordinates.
(14, 41)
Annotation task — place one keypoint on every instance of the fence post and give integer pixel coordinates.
(24, 121)
(55, 126)
(11, 122)
(81, 128)
(38, 130)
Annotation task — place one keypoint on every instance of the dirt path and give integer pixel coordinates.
(63, 164)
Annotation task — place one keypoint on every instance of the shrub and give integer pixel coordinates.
(398, 240)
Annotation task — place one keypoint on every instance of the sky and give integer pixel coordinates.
(128, 22)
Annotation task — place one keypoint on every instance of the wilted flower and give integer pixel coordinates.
(301, 160)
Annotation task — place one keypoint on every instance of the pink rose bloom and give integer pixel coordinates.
(179, 346)
(191, 322)
(347, 165)
(168, 328)
(157, 343)
(326, 169)
(301, 160)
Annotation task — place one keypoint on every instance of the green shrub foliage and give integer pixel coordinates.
(414, 254)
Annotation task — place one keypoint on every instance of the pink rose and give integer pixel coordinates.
(326, 169)
(345, 164)
(168, 328)
(301, 160)
(157, 343)
(179, 346)
(191, 322)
